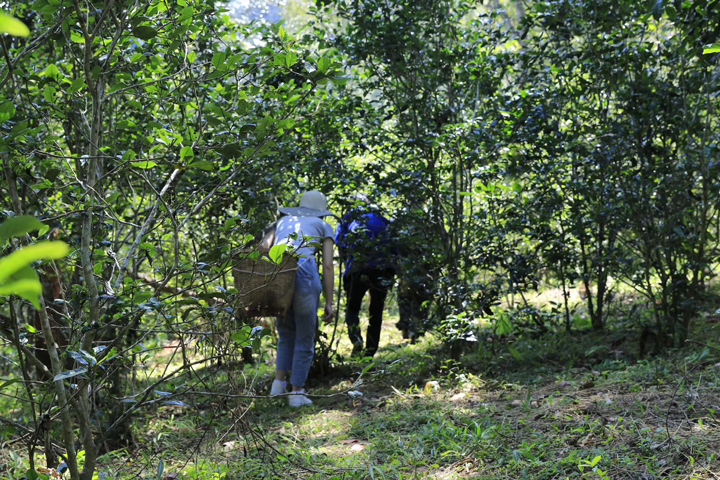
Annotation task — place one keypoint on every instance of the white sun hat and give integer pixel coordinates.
(312, 204)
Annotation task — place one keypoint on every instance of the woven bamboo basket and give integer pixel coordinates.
(265, 289)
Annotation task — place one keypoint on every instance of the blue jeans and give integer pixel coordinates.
(296, 332)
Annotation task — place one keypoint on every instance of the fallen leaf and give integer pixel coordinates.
(349, 441)
(457, 397)
(516, 403)
(357, 447)
(431, 387)
(50, 472)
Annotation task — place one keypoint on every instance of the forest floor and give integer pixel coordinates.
(577, 405)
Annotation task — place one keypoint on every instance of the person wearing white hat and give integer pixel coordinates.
(302, 228)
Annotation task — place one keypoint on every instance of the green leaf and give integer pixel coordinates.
(30, 290)
(144, 32)
(203, 165)
(186, 14)
(528, 455)
(242, 336)
(276, 253)
(9, 382)
(657, 9)
(70, 374)
(160, 469)
(33, 475)
(235, 59)
(49, 93)
(130, 155)
(191, 57)
(7, 111)
(140, 19)
(25, 284)
(186, 152)
(13, 26)
(714, 48)
(218, 59)
(75, 37)
(19, 128)
(503, 326)
(279, 59)
(290, 59)
(144, 165)
(19, 259)
(323, 64)
(52, 71)
(516, 355)
(42, 185)
(20, 225)
(671, 12)
(340, 80)
(30, 328)
(77, 85)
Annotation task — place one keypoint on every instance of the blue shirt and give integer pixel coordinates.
(309, 231)
(364, 239)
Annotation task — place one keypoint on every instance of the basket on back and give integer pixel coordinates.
(265, 289)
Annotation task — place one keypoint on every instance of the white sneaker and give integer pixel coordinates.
(278, 387)
(297, 399)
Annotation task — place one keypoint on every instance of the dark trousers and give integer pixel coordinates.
(377, 282)
(413, 309)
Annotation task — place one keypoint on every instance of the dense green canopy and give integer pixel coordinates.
(143, 144)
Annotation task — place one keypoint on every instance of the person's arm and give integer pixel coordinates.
(328, 278)
(267, 242)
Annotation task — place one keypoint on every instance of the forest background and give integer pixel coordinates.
(561, 147)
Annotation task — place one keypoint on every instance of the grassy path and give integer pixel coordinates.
(557, 407)
(489, 416)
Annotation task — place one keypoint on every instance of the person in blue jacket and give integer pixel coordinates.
(364, 239)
